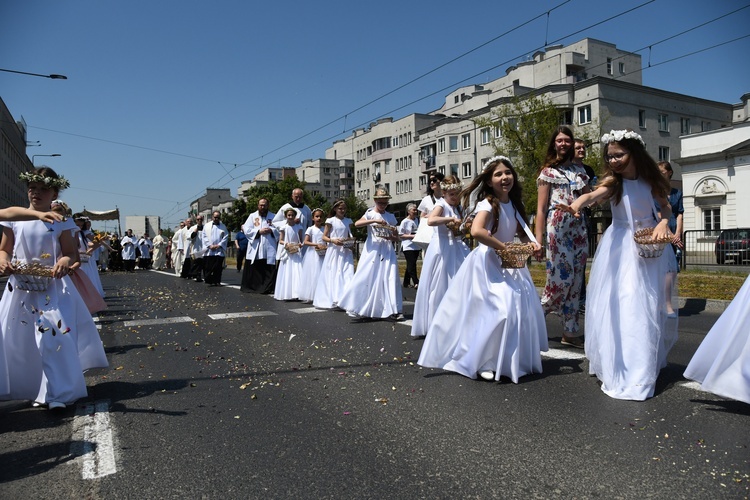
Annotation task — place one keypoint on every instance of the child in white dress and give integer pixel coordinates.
(490, 322)
(444, 255)
(375, 291)
(289, 256)
(49, 337)
(312, 262)
(629, 330)
(338, 264)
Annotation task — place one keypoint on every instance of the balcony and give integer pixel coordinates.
(428, 163)
(346, 175)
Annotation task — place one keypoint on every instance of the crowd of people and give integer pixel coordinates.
(478, 310)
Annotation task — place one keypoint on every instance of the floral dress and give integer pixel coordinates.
(567, 244)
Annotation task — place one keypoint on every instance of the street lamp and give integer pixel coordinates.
(34, 156)
(52, 76)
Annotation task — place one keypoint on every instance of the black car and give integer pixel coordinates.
(733, 245)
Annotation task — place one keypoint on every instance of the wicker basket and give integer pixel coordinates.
(647, 246)
(32, 277)
(455, 228)
(385, 231)
(348, 242)
(83, 257)
(321, 251)
(292, 248)
(514, 255)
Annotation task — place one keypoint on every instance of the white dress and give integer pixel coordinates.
(628, 333)
(338, 266)
(289, 273)
(375, 291)
(722, 362)
(49, 337)
(88, 263)
(444, 256)
(425, 207)
(490, 317)
(312, 263)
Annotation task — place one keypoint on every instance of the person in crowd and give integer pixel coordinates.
(48, 336)
(259, 275)
(312, 262)
(79, 271)
(443, 257)
(128, 243)
(196, 250)
(86, 248)
(338, 264)
(145, 247)
(215, 237)
(490, 323)
(434, 193)
(187, 263)
(628, 330)
(289, 256)
(579, 155)
(562, 181)
(407, 229)
(240, 244)
(168, 253)
(115, 253)
(178, 249)
(375, 290)
(160, 245)
(304, 216)
(675, 227)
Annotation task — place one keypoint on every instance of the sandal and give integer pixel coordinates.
(576, 342)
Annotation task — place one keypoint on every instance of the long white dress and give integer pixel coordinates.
(375, 290)
(443, 258)
(289, 273)
(48, 337)
(312, 263)
(491, 317)
(88, 263)
(628, 332)
(338, 266)
(722, 362)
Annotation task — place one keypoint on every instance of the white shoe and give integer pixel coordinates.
(36, 404)
(55, 405)
(672, 315)
(487, 374)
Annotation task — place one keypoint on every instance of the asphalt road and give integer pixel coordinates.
(212, 393)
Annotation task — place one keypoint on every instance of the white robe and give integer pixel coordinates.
(261, 246)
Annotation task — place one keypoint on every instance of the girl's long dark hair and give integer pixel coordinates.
(439, 176)
(483, 184)
(645, 166)
(551, 160)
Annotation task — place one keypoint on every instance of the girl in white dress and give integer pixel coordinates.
(628, 329)
(444, 256)
(722, 362)
(312, 262)
(289, 256)
(490, 322)
(86, 247)
(49, 337)
(338, 264)
(434, 193)
(375, 291)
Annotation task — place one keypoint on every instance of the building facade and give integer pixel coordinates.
(13, 159)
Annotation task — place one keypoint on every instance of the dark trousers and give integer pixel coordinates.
(241, 253)
(258, 277)
(196, 270)
(129, 265)
(213, 265)
(187, 268)
(410, 275)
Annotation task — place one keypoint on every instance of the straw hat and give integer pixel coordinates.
(381, 194)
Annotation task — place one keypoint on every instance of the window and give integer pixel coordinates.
(453, 143)
(455, 99)
(684, 126)
(454, 169)
(394, 141)
(466, 141)
(398, 187)
(609, 66)
(664, 153)
(441, 146)
(642, 118)
(388, 186)
(705, 126)
(441, 169)
(663, 122)
(326, 182)
(484, 136)
(621, 67)
(513, 123)
(410, 185)
(387, 166)
(712, 221)
(498, 132)
(408, 161)
(466, 170)
(422, 181)
(584, 114)
(566, 117)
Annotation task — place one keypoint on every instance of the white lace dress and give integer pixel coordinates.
(289, 274)
(338, 266)
(312, 263)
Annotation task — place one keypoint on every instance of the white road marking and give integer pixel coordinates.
(93, 440)
(307, 310)
(696, 386)
(406, 322)
(407, 303)
(564, 354)
(246, 314)
(159, 321)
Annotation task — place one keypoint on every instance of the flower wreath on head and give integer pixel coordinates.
(59, 183)
(496, 159)
(619, 135)
(451, 186)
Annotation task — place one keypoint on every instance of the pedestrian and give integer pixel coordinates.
(145, 247)
(721, 362)
(579, 154)
(48, 336)
(338, 264)
(215, 237)
(443, 257)
(187, 263)
(628, 330)
(128, 243)
(289, 257)
(304, 216)
(259, 275)
(490, 322)
(561, 181)
(159, 262)
(240, 244)
(407, 229)
(196, 250)
(168, 253)
(115, 253)
(434, 193)
(86, 263)
(178, 249)
(312, 262)
(675, 227)
(375, 290)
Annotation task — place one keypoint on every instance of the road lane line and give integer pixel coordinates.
(246, 314)
(159, 321)
(563, 354)
(93, 440)
(307, 310)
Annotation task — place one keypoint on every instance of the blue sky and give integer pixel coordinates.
(165, 98)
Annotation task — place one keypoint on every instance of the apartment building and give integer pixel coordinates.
(13, 159)
(330, 178)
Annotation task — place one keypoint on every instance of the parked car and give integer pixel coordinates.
(733, 245)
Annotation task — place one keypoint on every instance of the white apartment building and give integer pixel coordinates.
(330, 178)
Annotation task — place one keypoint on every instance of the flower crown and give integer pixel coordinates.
(619, 135)
(496, 159)
(449, 187)
(59, 183)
